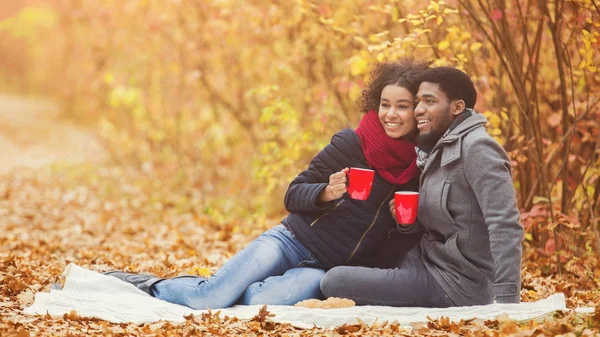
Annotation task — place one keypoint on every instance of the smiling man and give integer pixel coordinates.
(468, 203)
(471, 251)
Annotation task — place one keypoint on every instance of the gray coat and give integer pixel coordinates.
(468, 207)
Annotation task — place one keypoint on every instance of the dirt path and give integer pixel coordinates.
(32, 135)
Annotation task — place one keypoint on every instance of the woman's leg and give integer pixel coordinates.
(272, 253)
(295, 285)
(409, 285)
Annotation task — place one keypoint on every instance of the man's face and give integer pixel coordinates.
(434, 115)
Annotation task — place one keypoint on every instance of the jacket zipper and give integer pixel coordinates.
(370, 226)
(322, 215)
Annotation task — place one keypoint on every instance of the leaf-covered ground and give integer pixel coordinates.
(103, 219)
(141, 219)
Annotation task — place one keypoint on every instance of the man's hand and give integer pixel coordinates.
(336, 188)
(393, 209)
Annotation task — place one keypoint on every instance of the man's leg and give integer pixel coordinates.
(272, 253)
(295, 285)
(409, 285)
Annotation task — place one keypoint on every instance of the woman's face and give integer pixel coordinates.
(396, 111)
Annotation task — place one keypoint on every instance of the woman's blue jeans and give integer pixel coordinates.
(273, 269)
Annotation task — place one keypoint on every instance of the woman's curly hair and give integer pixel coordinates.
(402, 73)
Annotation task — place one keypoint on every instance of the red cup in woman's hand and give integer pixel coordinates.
(360, 183)
(407, 206)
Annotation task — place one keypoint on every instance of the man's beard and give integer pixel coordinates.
(427, 142)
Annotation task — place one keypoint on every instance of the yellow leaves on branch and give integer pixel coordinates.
(460, 42)
(589, 38)
(495, 124)
(358, 65)
(435, 11)
(475, 46)
(443, 45)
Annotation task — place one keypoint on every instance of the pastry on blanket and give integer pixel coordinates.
(312, 303)
(330, 303)
(336, 302)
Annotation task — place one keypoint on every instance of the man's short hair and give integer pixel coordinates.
(453, 82)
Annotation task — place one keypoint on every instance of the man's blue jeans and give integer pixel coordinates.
(273, 269)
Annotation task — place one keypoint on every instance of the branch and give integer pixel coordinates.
(593, 216)
(494, 45)
(596, 193)
(596, 6)
(337, 94)
(591, 160)
(569, 134)
(233, 110)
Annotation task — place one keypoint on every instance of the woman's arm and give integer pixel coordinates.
(311, 190)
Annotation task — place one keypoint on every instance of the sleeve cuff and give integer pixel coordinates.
(405, 229)
(315, 195)
(507, 293)
(410, 229)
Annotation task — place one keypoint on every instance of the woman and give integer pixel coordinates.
(325, 227)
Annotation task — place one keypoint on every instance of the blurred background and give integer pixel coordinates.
(209, 108)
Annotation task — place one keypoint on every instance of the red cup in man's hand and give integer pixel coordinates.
(360, 182)
(407, 205)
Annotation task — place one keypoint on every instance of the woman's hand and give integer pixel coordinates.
(393, 209)
(336, 188)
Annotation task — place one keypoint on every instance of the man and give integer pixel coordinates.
(471, 251)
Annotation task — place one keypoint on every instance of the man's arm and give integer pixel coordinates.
(414, 228)
(487, 169)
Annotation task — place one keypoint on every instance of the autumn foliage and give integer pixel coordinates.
(209, 108)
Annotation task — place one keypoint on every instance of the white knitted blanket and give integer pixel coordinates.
(92, 294)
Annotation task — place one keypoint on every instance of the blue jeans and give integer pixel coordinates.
(273, 269)
(408, 285)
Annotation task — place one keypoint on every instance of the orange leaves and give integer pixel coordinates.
(550, 246)
(444, 323)
(262, 317)
(496, 14)
(554, 120)
(348, 329)
(18, 331)
(37, 259)
(226, 101)
(595, 319)
(12, 286)
(70, 315)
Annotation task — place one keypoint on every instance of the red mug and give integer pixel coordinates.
(360, 183)
(407, 205)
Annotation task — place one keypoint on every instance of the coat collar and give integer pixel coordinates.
(424, 160)
(460, 130)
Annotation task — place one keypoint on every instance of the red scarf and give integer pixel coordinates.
(394, 159)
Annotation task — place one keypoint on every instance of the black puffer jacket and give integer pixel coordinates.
(343, 231)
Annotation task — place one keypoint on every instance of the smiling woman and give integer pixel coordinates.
(396, 111)
(326, 226)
